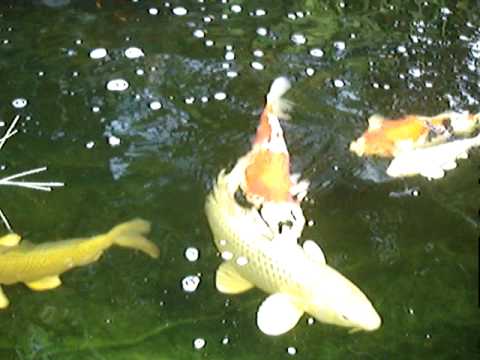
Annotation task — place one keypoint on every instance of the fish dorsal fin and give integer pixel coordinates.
(314, 251)
(46, 283)
(229, 281)
(11, 239)
(375, 122)
(278, 314)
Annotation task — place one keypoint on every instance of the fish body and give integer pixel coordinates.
(389, 137)
(432, 161)
(267, 182)
(296, 277)
(39, 266)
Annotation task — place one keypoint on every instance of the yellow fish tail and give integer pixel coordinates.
(130, 234)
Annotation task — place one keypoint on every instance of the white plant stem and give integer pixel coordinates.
(10, 131)
(5, 221)
(36, 185)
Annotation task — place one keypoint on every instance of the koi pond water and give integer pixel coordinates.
(136, 105)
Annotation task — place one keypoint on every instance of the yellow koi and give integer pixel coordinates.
(39, 266)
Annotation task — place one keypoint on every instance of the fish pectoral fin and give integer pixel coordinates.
(278, 314)
(10, 239)
(432, 172)
(314, 251)
(3, 299)
(46, 283)
(229, 281)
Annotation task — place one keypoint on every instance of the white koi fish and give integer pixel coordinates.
(432, 161)
(296, 277)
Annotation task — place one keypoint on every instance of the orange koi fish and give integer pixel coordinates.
(389, 137)
(268, 184)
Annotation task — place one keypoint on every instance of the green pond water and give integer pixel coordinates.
(120, 157)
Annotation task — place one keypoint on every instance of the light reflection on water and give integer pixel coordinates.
(191, 79)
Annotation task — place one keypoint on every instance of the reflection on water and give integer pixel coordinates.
(136, 106)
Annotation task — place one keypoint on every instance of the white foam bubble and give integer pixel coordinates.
(179, 11)
(258, 53)
(236, 8)
(242, 261)
(113, 140)
(117, 85)
(199, 33)
(298, 39)
(229, 55)
(257, 65)
(262, 31)
(260, 12)
(291, 350)
(153, 11)
(316, 52)
(190, 283)
(192, 254)
(19, 103)
(338, 83)
(309, 71)
(220, 96)
(90, 144)
(155, 105)
(98, 53)
(134, 53)
(199, 343)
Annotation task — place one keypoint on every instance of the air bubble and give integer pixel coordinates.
(19, 103)
(134, 53)
(260, 12)
(316, 52)
(155, 105)
(338, 83)
(262, 31)
(291, 350)
(242, 261)
(180, 11)
(220, 96)
(190, 283)
(236, 8)
(117, 85)
(298, 39)
(199, 343)
(113, 140)
(257, 65)
(192, 254)
(90, 145)
(258, 53)
(229, 55)
(153, 11)
(98, 53)
(309, 71)
(199, 33)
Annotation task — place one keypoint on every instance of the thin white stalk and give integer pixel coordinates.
(10, 131)
(5, 221)
(35, 185)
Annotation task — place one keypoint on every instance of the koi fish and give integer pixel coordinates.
(388, 138)
(39, 266)
(297, 278)
(432, 161)
(267, 183)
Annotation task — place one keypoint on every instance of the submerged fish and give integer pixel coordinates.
(296, 277)
(432, 161)
(39, 266)
(267, 183)
(390, 137)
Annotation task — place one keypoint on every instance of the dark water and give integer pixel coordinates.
(415, 256)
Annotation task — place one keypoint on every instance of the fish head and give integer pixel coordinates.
(337, 301)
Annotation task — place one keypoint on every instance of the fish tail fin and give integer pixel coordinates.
(130, 234)
(275, 101)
